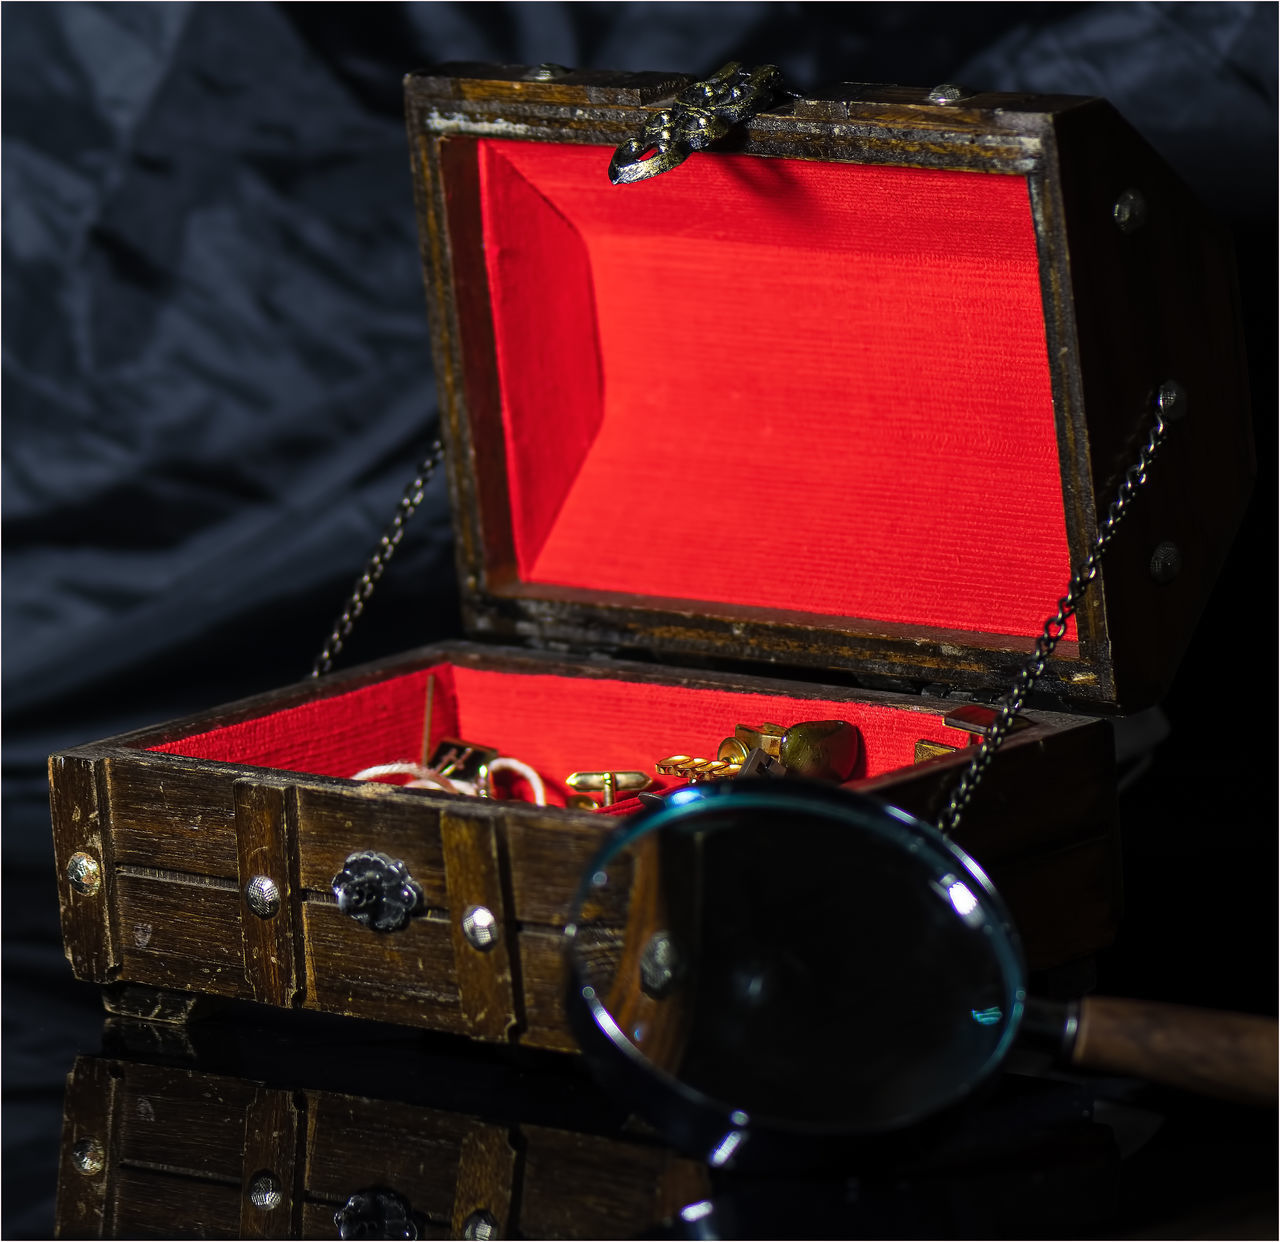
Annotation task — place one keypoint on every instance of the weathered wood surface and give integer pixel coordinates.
(353, 1144)
(181, 932)
(272, 1135)
(151, 1204)
(1153, 304)
(267, 848)
(89, 932)
(577, 1185)
(484, 972)
(487, 1171)
(89, 1116)
(164, 1124)
(171, 813)
(407, 976)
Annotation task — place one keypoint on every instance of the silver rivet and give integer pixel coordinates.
(89, 1157)
(262, 896)
(480, 1226)
(947, 93)
(661, 967)
(1130, 211)
(546, 72)
(1171, 399)
(264, 1192)
(480, 927)
(1166, 562)
(84, 873)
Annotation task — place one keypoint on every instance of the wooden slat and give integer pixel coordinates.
(486, 1176)
(1067, 903)
(543, 983)
(355, 1144)
(582, 1186)
(88, 1115)
(172, 813)
(149, 1204)
(181, 933)
(548, 857)
(406, 976)
(272, 1132)
(185, 1122)
(264, 843)
(473, 877)
(79, 826)
(333, 824)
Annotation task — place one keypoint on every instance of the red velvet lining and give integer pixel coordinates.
(557, 724)
(779, 383)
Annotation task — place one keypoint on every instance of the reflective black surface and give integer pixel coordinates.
(382, 1132)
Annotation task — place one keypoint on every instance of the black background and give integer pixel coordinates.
(217, 380)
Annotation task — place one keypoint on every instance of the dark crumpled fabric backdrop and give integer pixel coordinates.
(217, 377)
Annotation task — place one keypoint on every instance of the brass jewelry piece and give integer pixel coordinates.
(609, 783)
(462, 761)
(745, 739)
(693, 769)
(825, 750)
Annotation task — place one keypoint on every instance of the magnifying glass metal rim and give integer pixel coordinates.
(702, 1122)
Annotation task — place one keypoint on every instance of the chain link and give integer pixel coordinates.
(1054, 628)
(377, 563)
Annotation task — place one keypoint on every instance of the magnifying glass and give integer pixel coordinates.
(763, 967)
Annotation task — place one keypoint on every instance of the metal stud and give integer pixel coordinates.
(661, 966)
(1166, 562)
(264, 1192)
(1171, 399)
(480, 1226)
(480, 928)
(89, 1157)
(1130, 211)
(947, 93)
(84, 873)
(262, 896)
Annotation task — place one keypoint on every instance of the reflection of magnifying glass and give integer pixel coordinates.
(756, 964)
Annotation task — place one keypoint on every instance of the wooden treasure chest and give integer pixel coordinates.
(812, 425)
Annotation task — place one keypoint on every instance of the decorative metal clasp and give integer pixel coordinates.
(701, 114)
(377, 1213)
(378, 891)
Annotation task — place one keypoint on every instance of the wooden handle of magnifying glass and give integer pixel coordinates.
(1229, 1055)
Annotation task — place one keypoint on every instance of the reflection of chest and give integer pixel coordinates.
(153, 1149)
(841, 400)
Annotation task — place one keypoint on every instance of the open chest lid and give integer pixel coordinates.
(851, 390)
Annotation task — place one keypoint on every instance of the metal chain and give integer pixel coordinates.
(377, 563)
(1054, 628)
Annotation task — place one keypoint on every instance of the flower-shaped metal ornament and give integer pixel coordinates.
(378, 891)
(376, 1213)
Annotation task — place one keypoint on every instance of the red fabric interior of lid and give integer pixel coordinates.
(795, 385)
(556, 724)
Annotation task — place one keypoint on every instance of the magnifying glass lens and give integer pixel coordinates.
(800, 960)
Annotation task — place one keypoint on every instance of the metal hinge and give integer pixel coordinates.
(700, 115)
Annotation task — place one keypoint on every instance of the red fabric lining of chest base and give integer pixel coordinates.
(815, 387)
(556, 724)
